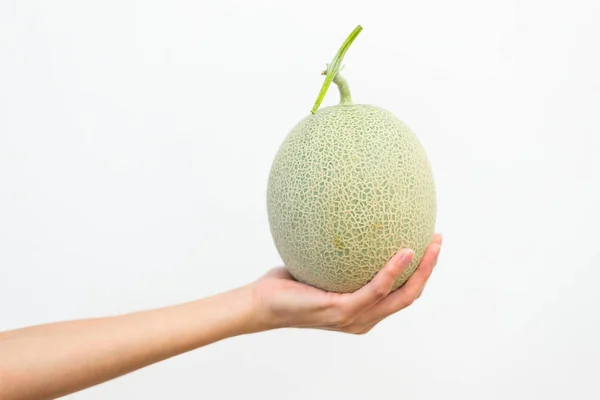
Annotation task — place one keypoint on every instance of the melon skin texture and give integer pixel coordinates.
(350, 186)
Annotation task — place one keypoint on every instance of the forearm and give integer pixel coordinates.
(48, 361)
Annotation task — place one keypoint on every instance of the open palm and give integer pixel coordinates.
(286, 302)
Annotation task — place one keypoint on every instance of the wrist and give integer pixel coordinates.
(255, 315)
(245, 312)
(265, 315)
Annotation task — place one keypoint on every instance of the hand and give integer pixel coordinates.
(282, 301)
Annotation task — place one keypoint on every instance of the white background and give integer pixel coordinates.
(136, 140)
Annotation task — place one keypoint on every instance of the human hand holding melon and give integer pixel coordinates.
(280, 301)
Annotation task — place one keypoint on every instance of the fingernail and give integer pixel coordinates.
(438, 239)
(405, 255)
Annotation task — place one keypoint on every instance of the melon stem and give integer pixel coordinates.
(332, 73)
(342, 84)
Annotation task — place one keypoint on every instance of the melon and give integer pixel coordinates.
(349, 186)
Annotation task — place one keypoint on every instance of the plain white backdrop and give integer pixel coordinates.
(136, 140)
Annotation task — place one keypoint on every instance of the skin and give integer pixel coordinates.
(53, 360)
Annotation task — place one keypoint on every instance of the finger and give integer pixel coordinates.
(417, 281)
(437, 240)
(409, 292)
(380, 286)
(404, 296)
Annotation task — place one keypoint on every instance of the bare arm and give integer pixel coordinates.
(53, 360)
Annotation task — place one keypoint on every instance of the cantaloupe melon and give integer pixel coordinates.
(349, 186)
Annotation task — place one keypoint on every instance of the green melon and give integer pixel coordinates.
(349, 186)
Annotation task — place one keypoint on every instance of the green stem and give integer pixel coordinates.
(342, 85)
(332, 73)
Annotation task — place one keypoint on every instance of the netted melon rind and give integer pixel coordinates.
(348, 187)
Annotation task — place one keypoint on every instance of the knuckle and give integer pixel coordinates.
(407, 302)
(388, 274)
(380, 291)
